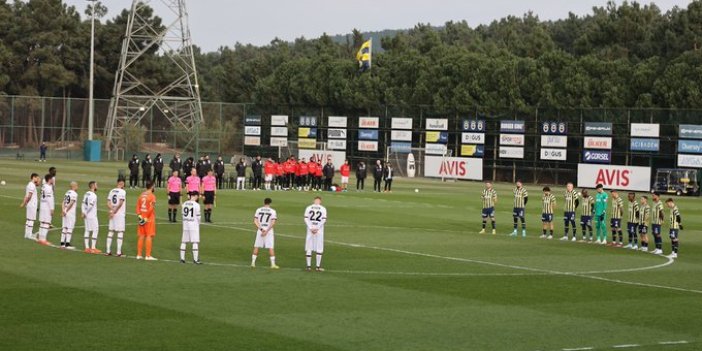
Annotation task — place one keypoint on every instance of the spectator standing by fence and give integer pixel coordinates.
(42, 152)
(219, 171)
(158, 170)
(241, 175)
(133, 172)
(377, 176)
(361, 174)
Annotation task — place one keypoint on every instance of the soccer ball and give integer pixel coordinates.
(333, 188)
(2, 183)
(416, 190)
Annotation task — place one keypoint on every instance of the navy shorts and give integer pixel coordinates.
(631, 227)
(643, 229)
(616, 223)
(489, 212)
(656, 229)
(674, 234)
(547, 217)
(518, 212)
(174, 198)
(586, 220)
(569, 216)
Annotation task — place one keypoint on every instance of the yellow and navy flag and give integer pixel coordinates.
(364, 56)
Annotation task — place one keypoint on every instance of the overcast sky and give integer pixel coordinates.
(215, 23)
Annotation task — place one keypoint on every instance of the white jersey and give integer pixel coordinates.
(47, 196)
(191, 222)
(71, 197)
(89, 206)
(114, 197)
(32, 189)
(315, 217)
(265, 217)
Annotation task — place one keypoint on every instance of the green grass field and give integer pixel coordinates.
(405, 271)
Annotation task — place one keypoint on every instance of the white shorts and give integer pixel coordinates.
(117, 224)
(45, 214)
(191, 236)
(91, 225)
(344, 180)
(315, 242)
(32, 213)
(265, 242)
(269, 177)
(68, 223)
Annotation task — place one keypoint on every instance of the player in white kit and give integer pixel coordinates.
(265, 219)
(30, 202)
(315, 217)
(116, 203)
(46, 209)
(191, 228)
(68, 215)
(89, 210)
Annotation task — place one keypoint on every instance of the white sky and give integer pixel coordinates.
(215, 23)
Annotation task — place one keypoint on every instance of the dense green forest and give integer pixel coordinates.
(620, 55)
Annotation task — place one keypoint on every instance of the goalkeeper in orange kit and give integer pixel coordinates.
(147, 221)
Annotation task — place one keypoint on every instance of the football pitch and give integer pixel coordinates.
(404, 271)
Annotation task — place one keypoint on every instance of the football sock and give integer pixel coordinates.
(636, 239)
(515, 222)
(120, 239)
(253, 259)
(675, 246)
(621, 236)
(108, 249)
(631, 238)
(140, 245)
(308, 257)
(319, 259)
(659, 242)
(272, 260)
(68, 238)
(183, 247)
(28, 229)
(149, 244)
(523, 224)
(544, 230)
(63, 239)
(614, 235)
(42, 232)
(484, 223)
(196, 252)
(170, 215)
(550, 232)
(86, 239)
(493, 224)
(95, 236)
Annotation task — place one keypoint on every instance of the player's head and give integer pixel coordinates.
(644, 199)
(175, 173)
(92, 185)
(599, 188)
(377, 162)
(546, 190)
(120, 183)
(34, 178)
(219, 158)
(134, 156)
(585, 193)
(258, 157)
(346, 162)
(149, 186)
(193, 172)
(148, 156)
(52, 171)
(570, 186)
(207, 157)
(158, 155)
(210, 172)
(241, 160)
(488, 185)
(615, 194)
(519, 184)
(267, 201)
(177, 155)
(194, 196)
(670, 202)
(317, 200)
(47, 177)
(74, 186)
(656, 196)
(631, 196)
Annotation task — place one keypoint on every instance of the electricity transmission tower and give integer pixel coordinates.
(136, 94)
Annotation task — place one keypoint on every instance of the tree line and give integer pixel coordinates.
(619, 55)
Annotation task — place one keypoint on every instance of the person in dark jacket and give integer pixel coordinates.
(206, 164)
(200, 167)
(158, 170)
(328, 173)
(146, 165)
(219, 171)
(388, 174)
(241, 175)
(377, 176)
(257, 168)
(361, 174)
(187, 168)
(176, 164)
(134, 171)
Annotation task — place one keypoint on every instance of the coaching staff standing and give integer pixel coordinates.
(176, 164)
(377, 176)
(134, 171)
(219, 171)
(257, 168)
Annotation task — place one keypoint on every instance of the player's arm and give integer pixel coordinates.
(257, 223)
(526, 199)
(197, 213)
(68, 207)
(679, 220)
(26, 200)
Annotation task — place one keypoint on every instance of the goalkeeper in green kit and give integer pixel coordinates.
(600, 214)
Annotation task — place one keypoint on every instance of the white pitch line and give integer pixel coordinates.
(579, 349)
(626, 346)
(678, 342)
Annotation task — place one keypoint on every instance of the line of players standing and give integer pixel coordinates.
(594, 208)
(152, 169)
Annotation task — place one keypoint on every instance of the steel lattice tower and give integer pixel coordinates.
(134, 95)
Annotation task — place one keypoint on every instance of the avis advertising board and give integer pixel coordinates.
(614, 177)
(453, 167)
(337, 157)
